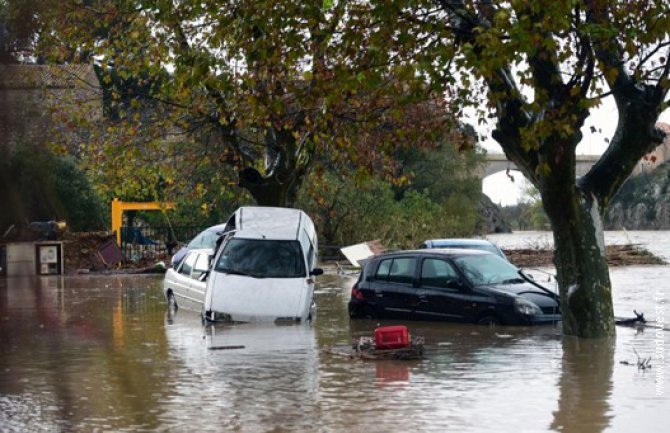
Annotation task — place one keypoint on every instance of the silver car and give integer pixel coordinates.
(466, 244)
(185, 284)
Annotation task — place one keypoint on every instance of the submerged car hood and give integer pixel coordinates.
(259, 299)
(526, 290)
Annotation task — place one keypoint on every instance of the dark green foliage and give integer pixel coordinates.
(526, 216)
(442, 173)
(644, 188)
(347, 212)
(431, 195)
(37, 185)
(642, 203)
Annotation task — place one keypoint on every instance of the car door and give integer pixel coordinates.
(197, 283)
(394, 288)
(442, 293)
(182, 279)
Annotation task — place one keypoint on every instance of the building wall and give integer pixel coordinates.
(36, 100)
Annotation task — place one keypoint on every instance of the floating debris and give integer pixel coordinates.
(390, 342)
(616, 255)
(643, 364)
(413, 351)
(226, 347)
(638, 319)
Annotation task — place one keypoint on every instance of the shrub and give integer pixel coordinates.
(40, 186)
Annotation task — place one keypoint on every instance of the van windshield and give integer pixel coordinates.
(262, 258)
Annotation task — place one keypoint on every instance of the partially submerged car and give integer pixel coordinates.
(185, 285)
(264, 268)
(454, 285)
(467, 244)
(205, 239)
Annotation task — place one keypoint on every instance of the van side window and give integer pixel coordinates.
(188, 264)
(230, 224)
(310, 258)
(402, 270)
(383, 270)
(437, 273)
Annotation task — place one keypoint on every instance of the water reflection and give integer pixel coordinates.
(80, 350)
(104, 353)
(392, 372)
(585, 386)
(245, 374)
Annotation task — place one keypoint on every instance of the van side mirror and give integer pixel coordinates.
(316, 272)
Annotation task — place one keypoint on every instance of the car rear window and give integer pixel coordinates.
(205, 239)
(262, 258)
(398, 270)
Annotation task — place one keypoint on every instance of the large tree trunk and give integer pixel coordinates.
(581, 267)
(540, 134)
(271, 190)
(286, 163)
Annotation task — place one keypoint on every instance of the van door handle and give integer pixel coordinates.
(423, 299)
(379, 294)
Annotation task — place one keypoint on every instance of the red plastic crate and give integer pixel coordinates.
(391, 337)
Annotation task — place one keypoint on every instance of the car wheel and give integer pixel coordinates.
(489, 320)
(367, 313)
(171, 301)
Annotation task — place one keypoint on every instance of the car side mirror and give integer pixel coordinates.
(316, 272)
(456, 284)
(203, 276)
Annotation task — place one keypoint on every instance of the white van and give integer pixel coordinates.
(264, 268)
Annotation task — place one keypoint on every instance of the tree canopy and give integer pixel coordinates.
(261, 86)
(539, 68)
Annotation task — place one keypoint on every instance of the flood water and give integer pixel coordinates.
(102, 353)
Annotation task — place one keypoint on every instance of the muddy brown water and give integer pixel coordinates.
(102, 353)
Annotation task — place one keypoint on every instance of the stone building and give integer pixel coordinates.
(35, 100)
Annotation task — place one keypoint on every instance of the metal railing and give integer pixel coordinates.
(155, 241)
(163, 241)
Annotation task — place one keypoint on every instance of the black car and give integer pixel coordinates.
(467, 286)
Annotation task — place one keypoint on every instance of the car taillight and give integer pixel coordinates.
(356, 294)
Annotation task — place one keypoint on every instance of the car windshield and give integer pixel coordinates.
(262, 258)
(483, 269)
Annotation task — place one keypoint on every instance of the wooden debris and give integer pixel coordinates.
(638, 319)
(617, 255)
(642, 364)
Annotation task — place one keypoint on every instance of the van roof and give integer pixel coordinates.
(270, 222)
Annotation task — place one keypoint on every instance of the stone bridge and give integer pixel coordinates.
(496, 162)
